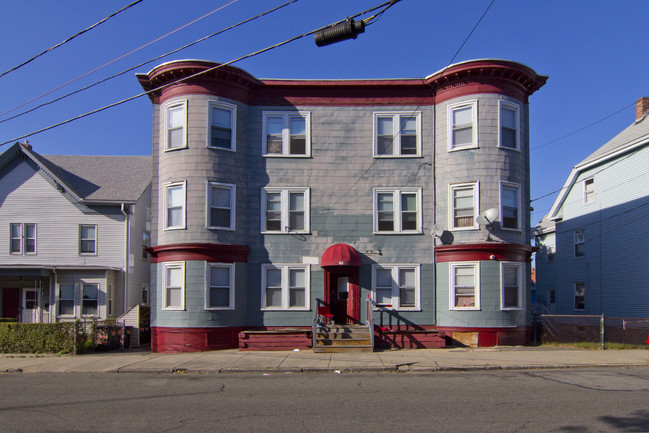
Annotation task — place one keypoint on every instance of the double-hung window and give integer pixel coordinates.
(175, 125)
(87, 239)
(580, 243)
(580, 296)
(589, 190)
(511, 287)
(510, 199)
(464, 200)
(22, 238)
(220, 205)
(285, 287)
(397, 210)
(90, 299)
(66, 300)
(465, 286)
(462, 125)
(219, 286)
(509, 125)
(285, 210)
(286, 133)
(173, 287)
(174, 204)
(396, 286)
(397, 134)
(222, 125)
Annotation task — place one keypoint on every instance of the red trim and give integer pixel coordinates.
(207, 252)
(486, 251)
(175, 340)
(341, 255)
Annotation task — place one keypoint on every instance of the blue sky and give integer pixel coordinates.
(593, 51)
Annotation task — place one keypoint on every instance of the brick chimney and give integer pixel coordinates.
(641, 107)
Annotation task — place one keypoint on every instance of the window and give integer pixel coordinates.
(89, 299)
(397, 134)
(509, 121)
(173, 296)
(511, 291)
(146, 243)
(145, 295)
(550, 254)
(285, 210)
(580, 296)
(287, 133)
(580, 243)
(220, 205)
(552, 296)
(396, 286)
(285, 287)
(510, 200)
(176, 123)
(463, 205)
(22, 238)
(222, 132)
(465, 286)
(174, 202)
(463, 125)
(87, 239)
(66, 300)
(397, 210)
(589, 190)
(219, 286)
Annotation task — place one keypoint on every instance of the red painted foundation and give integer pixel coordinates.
(175, 340)
(487, 337)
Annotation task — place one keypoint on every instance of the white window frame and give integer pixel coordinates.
(580, 239)
(58, 300)
(233, 124)
(517, 188)
(165, 209)
(476, 279)
(519, 282)
(517, 120)
(166, 110)
(81, 307)
(575, 296)
(285, 275)
(230, 268)
(286, 138)
(474, 124)
(396, 116)
(165, 267)
(397, 211)
(396, 295)
(22, 239)
(285, 211)
(96, 240)
(208, 214)
(589, 196)
(475, 186)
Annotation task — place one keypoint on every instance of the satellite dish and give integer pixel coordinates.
(438, 230)
(482, 220)
(490, 214)
(487, 218)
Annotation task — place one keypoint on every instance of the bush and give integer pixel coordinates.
(41, 337)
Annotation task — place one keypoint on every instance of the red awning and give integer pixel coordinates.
(341, 255)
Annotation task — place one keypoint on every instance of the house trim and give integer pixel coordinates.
(487, 251)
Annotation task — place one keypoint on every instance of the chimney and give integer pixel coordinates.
(641, 108)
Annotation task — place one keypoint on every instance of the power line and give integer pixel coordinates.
(71, 38)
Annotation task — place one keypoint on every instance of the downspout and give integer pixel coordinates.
(126, 211)
(433, 169)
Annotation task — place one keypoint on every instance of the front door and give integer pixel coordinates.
(343, 297)
(10, 303)
(30, 306)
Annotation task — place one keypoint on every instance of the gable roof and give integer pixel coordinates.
(90, 178)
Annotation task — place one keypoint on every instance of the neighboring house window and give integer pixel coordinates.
(285, 287)
(589, 190)
(510, 201)
(88, 239)
(287, 133)
(397, 134)
(550, 255)
(464, 207)
(397, 210)
(222, 132)
(219, 287)
(465, 286)
(220, 206)
(146, 243)
(145, 295)
(173, 296)
(109, 300)
(66, 300)
(23, 238)
(396, 286)
(285, 210)
(552, 296)
(509, 121)
(176, 125)
(463, 125)
(90, 300)
(511, 287)
(580, 296)
(174, 202)
(580, 243)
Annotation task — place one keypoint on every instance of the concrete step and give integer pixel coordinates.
(350, 342)
(338, 349)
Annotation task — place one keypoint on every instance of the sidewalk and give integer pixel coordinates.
(416, 360)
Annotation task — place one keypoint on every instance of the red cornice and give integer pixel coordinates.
(485, 251)
(216, 253)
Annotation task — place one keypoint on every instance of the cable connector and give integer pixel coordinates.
(348, 29)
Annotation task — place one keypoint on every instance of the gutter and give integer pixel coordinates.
(126, 211)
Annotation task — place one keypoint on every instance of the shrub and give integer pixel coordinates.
(40, 337)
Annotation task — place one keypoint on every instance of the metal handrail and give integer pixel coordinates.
(314, 327)
(370, 317)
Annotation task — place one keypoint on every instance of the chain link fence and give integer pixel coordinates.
(553, 328)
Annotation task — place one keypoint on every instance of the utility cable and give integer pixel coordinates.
(71, 38)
